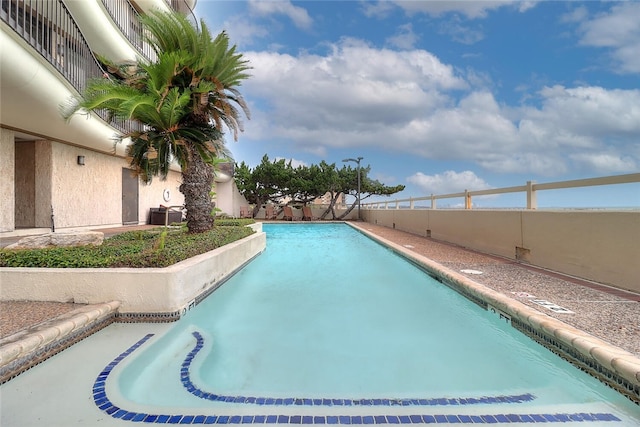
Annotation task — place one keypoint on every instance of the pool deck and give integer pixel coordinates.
(607, 313)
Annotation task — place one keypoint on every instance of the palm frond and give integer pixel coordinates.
(184, 98)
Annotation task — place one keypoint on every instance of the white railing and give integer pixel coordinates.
(530, 189)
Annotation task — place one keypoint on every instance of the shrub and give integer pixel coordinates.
(158, 247)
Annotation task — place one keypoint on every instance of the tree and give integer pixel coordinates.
(368, 187)
(183, 99)
(277, 180)
(265, 183)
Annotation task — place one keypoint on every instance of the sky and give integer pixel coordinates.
(444, 96)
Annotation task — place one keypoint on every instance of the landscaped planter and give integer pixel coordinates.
(148, 292)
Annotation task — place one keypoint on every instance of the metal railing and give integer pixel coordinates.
(127, 19)
(48, 27)
(530, 189)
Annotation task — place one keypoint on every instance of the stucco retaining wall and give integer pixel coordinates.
(594, 245)
(168, 290)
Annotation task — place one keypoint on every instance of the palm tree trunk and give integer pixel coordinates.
(197, 182)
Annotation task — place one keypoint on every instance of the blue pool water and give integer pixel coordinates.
(328, 321)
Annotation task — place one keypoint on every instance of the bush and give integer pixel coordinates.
(158, 247)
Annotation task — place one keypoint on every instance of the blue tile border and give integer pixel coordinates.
(185, 378)
(102, 401)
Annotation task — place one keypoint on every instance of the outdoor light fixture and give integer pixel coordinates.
(81, 160)
(358, 162)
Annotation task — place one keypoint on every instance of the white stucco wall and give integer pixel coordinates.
(92, 194)
(151, 195)
(89, 194)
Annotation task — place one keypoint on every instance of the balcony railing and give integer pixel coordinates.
(48, 27)
(127, 18)
(179, 5)
(529, 189)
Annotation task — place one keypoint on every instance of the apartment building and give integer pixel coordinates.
(72, 174)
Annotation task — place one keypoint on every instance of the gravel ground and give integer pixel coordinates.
(19, 315)
(606, 313)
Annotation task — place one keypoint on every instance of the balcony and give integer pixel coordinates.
(127, 19)
(182, 6)
(49, 28)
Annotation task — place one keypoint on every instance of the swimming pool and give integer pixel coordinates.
(329, 327)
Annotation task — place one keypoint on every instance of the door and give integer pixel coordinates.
(129, 197)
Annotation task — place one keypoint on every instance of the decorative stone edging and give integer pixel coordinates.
(22, 350)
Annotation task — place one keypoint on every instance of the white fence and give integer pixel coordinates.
(530, 189)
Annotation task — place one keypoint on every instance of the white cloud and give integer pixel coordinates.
(294, 162)
(461, 33)
(618, 30)
(404, 39)
(590, 112)
(452, 26)
(378, 9)
(604, 163)
(470, 9)
(448, 182)
(410, 102)
(243, 31)
(353, 88)
(298, 15)
(578, 14)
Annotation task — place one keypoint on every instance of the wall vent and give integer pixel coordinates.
(523, 254)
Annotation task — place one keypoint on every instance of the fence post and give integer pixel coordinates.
(467, 199)
(532, 200)
(433, 202)
(411, 203)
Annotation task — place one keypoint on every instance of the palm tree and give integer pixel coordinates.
(182, 99)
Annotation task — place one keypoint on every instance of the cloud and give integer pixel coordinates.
(410, 102)
(457, 11)
(618, 30)
(354, 87)
(243, 31)
(470, 9)
(461, 33)
(378, 9)
(294, 162)
(298, 15)
(405, 38)
(604, 163)
(448, 182)
(578, 14)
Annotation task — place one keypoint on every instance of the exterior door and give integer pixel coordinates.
(129, 197)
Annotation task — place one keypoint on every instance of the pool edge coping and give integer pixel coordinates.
(25, 349)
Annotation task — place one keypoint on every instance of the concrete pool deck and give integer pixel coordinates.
(606, 313)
